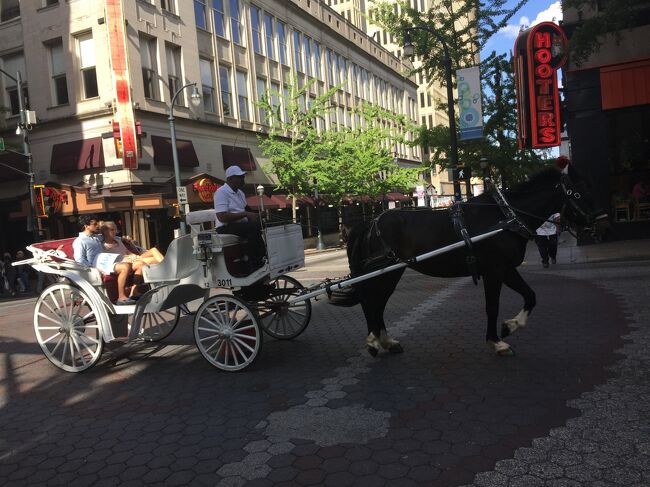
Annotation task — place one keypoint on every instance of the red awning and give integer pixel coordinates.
(163, 156)
(269, 203)
(625, 85)
(238, 156)
(397, 197)
(77, 155)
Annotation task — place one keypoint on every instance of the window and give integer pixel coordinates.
(275, 97)
(268, 31)
(149, 61)
(285, 102)
(207, 85)
(307, 41)
(51, 2)
(329, 65)
(170, 6)
(57, 68)
(242, 95)
(261, 93)
(174, 73)
(257, 29)
(316, 54)
(421, 99)
(297, 49)
(219, 18)
(282, 43)
(199, 14)
(226, 92)
(87, 64)
(235, 22)
(9, 9)
(12, 64)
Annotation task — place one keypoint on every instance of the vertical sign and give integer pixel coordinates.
(469, 99)
(124, 118)
(539, 52)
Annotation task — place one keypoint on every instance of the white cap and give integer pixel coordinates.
(234, 171)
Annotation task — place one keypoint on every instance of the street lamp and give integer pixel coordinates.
(409, 51)
(320, 245)
(32, 224)
(195, 99)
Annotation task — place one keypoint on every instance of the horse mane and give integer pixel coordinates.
(543, 178)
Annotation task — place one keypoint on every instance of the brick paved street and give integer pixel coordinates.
(570, 409)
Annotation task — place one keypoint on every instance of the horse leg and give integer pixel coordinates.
(373, 304)
(492, 282)
(515, 282)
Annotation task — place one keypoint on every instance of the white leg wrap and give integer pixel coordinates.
(373, 341)
(518, 321)
(386, 341)
(499, 347)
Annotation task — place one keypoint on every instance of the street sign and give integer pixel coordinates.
(2, 143)
(181, 193)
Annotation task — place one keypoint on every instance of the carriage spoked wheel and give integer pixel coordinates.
(227, 333)
(159, 325)
(280, 319)
(66, 327)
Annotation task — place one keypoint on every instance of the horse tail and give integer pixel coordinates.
(348, 296)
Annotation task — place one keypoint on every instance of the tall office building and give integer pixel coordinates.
(100, 76)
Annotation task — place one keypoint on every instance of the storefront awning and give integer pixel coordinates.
(625, 85)
(270, 202)
(77, 155)
(397, 197)
(163, 156)
(238, 156)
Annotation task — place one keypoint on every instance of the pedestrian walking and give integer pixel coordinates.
(546, 239)
(8, 274)
(23, 277)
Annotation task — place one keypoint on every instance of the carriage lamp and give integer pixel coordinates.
(260, 194)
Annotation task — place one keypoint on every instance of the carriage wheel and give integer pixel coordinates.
(159, 325)
(280, 319)
(227, 333)
(66, 327)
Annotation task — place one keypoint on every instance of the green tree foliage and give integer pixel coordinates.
(345, 162)
(466, 27)
(613, 17)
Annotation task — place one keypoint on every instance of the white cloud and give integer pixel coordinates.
(552, 13)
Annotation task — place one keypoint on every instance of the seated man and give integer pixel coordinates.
(234, 217)
(87, 248)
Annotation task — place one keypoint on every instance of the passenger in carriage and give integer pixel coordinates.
(87, 250)
(236, 218)
(111, 243)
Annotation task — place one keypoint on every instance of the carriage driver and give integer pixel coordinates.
(236, 218)
(87, 248)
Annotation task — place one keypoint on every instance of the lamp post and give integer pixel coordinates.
(409, 51)
(195, 99)
(320, 245)
(486, 173)
(32, 224)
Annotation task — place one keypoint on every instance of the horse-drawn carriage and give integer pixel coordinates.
(77, 315)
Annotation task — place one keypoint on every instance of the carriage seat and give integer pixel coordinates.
(206, 220)
(95, 277)
(179, 262)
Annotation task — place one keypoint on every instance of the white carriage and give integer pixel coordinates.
(76, 316)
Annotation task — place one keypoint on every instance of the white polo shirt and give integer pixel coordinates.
(227, 200)
(548, 228)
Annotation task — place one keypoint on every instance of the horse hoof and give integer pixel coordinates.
(396, 348)
(372, 351)
(506, 353)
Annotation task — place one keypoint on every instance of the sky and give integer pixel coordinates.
(533, 12)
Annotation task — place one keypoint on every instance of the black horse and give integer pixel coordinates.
(400, 235)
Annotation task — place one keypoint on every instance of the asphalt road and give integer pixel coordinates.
(570, 408)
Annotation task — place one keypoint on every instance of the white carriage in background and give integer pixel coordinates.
(76, 316)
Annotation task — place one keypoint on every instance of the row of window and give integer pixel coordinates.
(85, 49)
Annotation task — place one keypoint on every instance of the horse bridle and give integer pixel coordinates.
(571, 199)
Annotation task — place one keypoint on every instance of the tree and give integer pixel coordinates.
(346, 162)
(466, 27)
(613, 17)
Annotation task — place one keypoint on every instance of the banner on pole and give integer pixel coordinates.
(469, 99)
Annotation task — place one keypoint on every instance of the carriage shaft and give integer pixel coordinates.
(391, 268)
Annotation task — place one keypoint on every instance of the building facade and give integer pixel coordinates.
(87, 86)
(608, 119)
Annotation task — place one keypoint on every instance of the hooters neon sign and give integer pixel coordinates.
(539, 52)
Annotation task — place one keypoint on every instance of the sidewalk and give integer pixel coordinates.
(570, 253)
